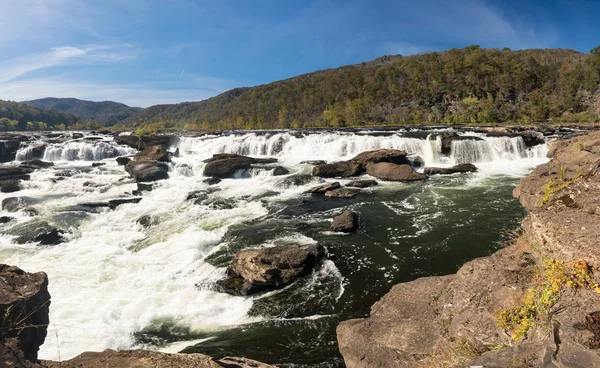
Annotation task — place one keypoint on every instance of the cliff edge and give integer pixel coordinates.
(535, 303)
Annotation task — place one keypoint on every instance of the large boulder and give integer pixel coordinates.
(153, 153)
(346, 222)
(381, 155)
(37, 232)
(341, 169)
(461, 168)
(12, 172)
(10, 186)
(9, 145)
(257, 270)
(226, 165)
(24, 309)
(391, 172)
(362, 183)
(324, 188)
(140, 143)
(143, 171)
(13, 204)
(123, 160)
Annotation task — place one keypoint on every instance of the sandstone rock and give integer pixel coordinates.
(11, 172)
(461, 168)
(322, 189)
(10, 186)
(123, 160)
(257, 270)
(342, 193)
(346, 222)
(381, 155)
(362, 183)
(280, 170)
(114, 203)
(153, 153)
(37, 232)
(77, 135)
(9, 145)
(140, 143)
(226, 165)
(13, 204)
(313, 162)
(24, 307)
(393, 172)
(297, 180)
(144, 171)
(36, 164)
(342, 169)
(211, 181)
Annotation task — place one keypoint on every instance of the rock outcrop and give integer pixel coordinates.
(24, 309)
(460, 168)
(9, 145)
(153, 153)
(227, 165)
(358, 165)
(531, 304)
(346, 222)
(257, 270)
(392, 172)
(145, 171)
(362, 183)
(140, 143)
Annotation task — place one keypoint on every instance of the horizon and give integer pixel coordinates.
(148, 52)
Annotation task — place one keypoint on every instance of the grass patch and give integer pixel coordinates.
(552, 186)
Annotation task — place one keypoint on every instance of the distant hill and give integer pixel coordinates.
(22, 116)
(468, 85)
(106, 113)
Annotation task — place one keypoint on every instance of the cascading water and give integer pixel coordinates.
(117, 284)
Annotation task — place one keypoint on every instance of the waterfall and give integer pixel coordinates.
(85, 151)
(293, 148)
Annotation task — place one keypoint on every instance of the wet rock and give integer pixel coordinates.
(313, 162)
(381, 155)
(417, 162)
(38, 232)
(36, 164)
(12, 172)
(144, 171)
(257, 270)
(98, 164)
(6, 219)
(123, 160)
(342, 193)
(219, 204)
(211, 181)
(461, 168)
(30, 211)
(197, 197)
(532, 138)
(145, 221)
(114, 203)
(280, 170)
(24, 307)
(392, 172)
(448, 137)
(10, 186)
(226, 165)
(345, 222)
(13, 204)
(362, 183)
(153, 153)
(9, 145)
(296, 180)
(322, 189)
(143, 187)
(140, 143)
(77, 135)
(342, 169)
(175, 153)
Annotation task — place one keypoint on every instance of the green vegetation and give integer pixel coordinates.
(539, 302)
(552, 187)
(106, 113)
(470, 85)
(21, 116)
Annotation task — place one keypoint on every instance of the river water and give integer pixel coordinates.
(116, 284)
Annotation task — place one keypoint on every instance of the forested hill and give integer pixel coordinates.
(469, 85)
(106, 113)
(22, 116)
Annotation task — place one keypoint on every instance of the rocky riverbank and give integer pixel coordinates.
(534, 303)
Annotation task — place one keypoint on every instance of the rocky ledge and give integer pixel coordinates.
(534, 303)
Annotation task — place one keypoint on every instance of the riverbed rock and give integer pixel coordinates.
(392, 172)
(342, 193)
(145, 171)
(322, 189)
(13, 172)
(258, 270)
(9, 145)
(297, 180)
(24, 307)
(114, 203)
(362, 183)
(123, 160)
(313, 162)
(10, 186)
(153, 153)
(280, 170)
(6, 219)
(460, 168)
(36, 164)
(13, 204)
(76, 135)
(226, 165)
(151, 359)
(346, 222)
(140, 143)
(381, 155)
(37, 232)
(341, 169)
(211, 181)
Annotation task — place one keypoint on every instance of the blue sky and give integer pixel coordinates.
(145, 52)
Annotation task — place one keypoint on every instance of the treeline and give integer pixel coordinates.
(469, 85)
(22, 116)
(105, 113)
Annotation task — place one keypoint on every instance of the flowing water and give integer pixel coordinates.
(116, 284)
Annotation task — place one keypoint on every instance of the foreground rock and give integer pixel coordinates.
(145, 171)
(258, 270)
(358, 165)
(140, 143)
(531, 304)
(152, 153)
(227, 165)
(393, 172)
(36, 164)
(15, 173)
(324, 188)
(342, 193)
(346, 222)
(151, 359)
(362, 183)
(9, 145)
(24, 307)
(461, 168)
(37, 232)
(10, 186)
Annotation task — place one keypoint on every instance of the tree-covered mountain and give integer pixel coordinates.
(469, 85)
(106, 113)
(22, 116)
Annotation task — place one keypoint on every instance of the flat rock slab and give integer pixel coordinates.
(322, 189)
(392, 172)
(342, 193)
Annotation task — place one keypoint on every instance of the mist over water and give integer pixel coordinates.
(116, 284)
